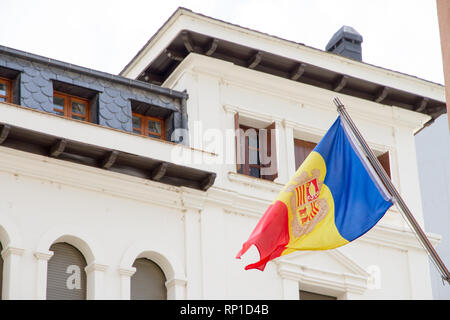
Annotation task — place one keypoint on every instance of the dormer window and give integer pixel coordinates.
(148, 126)
(71, 106)
(5, 90)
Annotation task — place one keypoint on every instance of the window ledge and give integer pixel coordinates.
(47, 116)
(255, 182)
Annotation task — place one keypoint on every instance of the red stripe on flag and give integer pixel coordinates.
(271, 235)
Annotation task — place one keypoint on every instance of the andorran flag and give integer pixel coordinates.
(334, 197)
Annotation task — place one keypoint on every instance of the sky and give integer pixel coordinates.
(401, 35)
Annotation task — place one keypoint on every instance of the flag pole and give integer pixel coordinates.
(394, 193)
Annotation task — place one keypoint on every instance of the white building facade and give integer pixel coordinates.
(194, 233)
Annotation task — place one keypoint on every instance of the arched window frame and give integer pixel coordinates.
(172, 268)
(94, 271)
(82, 270)
(145, 260)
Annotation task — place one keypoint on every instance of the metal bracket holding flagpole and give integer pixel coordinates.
(394, 193)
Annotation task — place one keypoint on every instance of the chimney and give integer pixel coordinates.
(346, 42)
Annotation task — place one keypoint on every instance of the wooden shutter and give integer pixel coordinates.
(148, 282)
(268, 151)
(302, 149)
(66, 277)
(384, 161)
(238, 138)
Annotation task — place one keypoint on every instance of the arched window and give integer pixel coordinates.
(66, 277)
(148, 282)
(1, 272)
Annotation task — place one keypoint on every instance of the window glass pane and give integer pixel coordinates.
(254, 172)
(136, 123)
(58, 104)
(78, 107)
(154, 126)
(253, 141)
(253, 156)
(2, 99)
(3, 89)
(58, 101)
(154, 136)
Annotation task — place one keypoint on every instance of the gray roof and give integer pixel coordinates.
(94, 73)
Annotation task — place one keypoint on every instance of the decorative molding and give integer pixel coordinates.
(353, 281)
(192, 199)
(296, 126)
(255, 182)
(382, 94)
(187, 41)
(340, 84)
(11, 250)
(96, 267)
(179, 198)
(109, 160)
(208, 181)
(401, 238)
(247, 113)
(254, 60)
(175, 282)
(116, 184)
(128, 272)
(212, 47)
(298, 71)
(58, 148)
(4, 133)
(159, 171)
(43, 255)
(296, 91)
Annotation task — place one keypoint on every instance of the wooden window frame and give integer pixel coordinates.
(143, 130)
(245, 166)
(8, 95)
(309, 146)
(68, 99)
(263, 150)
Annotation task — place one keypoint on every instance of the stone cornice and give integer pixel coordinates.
(119, 185)
(229, 74)
(43, 255)
(12, 250)
(96, 267)
(124, 271)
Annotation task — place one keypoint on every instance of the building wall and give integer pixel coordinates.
(433, 154)
(192, 235)
(43, 208)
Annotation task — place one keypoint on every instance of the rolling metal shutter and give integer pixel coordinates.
(1, 272)
(306, 295)
(148, 282)
(66, 277)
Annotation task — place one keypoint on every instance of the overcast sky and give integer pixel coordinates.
(402, 35)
